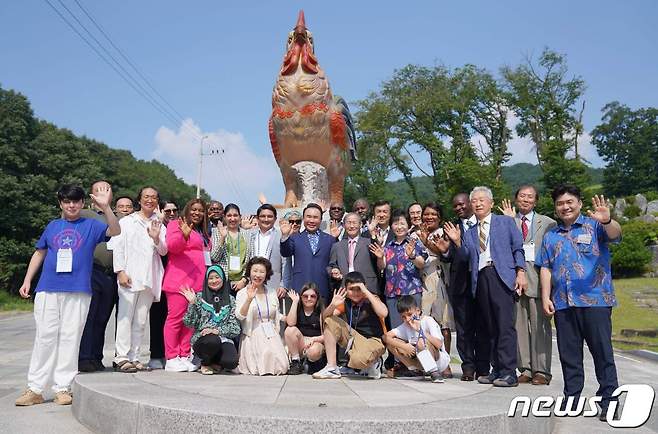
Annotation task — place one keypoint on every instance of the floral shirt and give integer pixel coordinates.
(201, 315)
(579, 261)
(402, 276)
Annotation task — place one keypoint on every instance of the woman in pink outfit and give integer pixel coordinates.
(188, 244)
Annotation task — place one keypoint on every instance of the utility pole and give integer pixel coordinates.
(216, 151)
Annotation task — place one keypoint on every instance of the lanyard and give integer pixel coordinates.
(358, 313)
(267, 303)
(421, 335)
(75, 231)
(233, 244)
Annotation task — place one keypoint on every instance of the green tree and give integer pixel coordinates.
(36, 158)
(628, 142)
(545, 101)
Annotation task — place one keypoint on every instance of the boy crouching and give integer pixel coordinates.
(353, 320)
(418, 342)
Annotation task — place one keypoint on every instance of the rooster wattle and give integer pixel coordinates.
(308, 123)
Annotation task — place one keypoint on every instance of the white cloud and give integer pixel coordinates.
(237, 174)
(523, 149)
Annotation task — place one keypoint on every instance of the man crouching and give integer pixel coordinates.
(354, 320)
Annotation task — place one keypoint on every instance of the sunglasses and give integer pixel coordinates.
(309, 296)
(295, 222)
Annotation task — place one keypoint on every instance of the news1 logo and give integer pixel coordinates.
(635, 412)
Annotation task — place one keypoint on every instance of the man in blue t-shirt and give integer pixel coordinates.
(63, 293)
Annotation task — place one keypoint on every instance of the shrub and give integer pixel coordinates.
(632, 256)
(632, 211)
(651, 195)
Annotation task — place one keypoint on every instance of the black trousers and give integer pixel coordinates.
(157, 317)
(104, 296)
(464, 311)
(594, 326)
(495, 327)
(211, 350)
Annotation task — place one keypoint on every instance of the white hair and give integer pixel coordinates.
(481, 189)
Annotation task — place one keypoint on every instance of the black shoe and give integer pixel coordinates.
(87, 366)
(489, 379)
(295, 368)
(99, 365)
(506, 381)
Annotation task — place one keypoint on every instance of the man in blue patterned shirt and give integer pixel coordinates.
(576, 259)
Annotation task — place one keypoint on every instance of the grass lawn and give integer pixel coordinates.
(9, 302)
(627, 315)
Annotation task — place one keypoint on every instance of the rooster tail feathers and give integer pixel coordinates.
(350, 134)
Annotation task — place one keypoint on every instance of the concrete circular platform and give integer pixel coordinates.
(189, 402)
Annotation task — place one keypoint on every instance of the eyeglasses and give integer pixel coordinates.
(309, 296)
(337, 208)
(214, 209)
(167, 211)
(295, 222)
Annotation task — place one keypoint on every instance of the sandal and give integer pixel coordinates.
(125, 366)
(141, 367)
(206, 370)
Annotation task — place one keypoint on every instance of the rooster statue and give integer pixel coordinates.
(311, 130)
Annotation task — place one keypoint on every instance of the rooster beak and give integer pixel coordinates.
(300, 27)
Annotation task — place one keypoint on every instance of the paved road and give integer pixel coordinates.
(17, 333)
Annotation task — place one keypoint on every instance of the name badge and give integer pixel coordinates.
(426, 360)
(268, 329)
(529, 251)
(64, 261)
(234, 263)
(584, 239)
(206, 257)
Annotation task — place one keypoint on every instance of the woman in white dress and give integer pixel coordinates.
(261, 349)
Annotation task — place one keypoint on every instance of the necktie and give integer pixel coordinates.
(314, 239)
(483, 237)
(350, 258)
(524, 227)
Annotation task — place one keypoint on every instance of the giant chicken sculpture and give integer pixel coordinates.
(310, 130)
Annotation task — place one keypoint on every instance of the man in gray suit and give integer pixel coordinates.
(352, 254)
(533, 328)
(264, 240)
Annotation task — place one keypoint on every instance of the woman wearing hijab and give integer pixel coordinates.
(211, 314)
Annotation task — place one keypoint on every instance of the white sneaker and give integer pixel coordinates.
(327, 373)
(187, 361)
(374, 371)
(176, 365)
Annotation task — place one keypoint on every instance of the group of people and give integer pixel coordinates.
(360, 294)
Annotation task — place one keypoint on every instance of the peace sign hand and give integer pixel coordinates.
(601, 209)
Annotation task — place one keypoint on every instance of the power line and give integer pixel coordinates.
(127, 59)
(169, 112)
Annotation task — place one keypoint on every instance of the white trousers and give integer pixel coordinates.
(60, 319)
(132, 316)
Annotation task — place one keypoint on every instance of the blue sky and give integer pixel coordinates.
(216, 63)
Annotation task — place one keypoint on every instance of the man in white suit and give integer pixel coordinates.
(533, 328)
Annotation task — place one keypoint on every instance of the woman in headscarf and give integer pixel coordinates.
(211, 314)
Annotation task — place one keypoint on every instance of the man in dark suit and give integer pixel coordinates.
(352, 254)
(495, 251)
(311, 249)
(460, 294)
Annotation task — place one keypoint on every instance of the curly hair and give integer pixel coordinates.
(259, 260)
